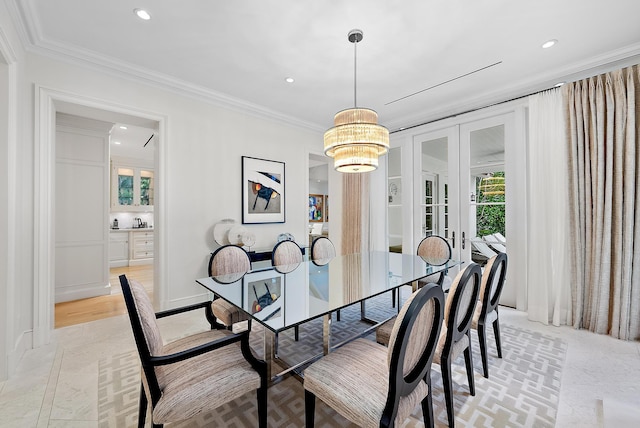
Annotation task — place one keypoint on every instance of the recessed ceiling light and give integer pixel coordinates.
(557, 85)
(549, 43)
(289, 80)
(122, 127)
(117, 142)
(142, 14)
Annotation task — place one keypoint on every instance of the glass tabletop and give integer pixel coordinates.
(280, 297)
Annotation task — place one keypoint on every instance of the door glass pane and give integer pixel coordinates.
(394, 198)
(487, 199)
(125, 186)
(435, 176)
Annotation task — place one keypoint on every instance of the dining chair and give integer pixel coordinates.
(285, 256)
(455, 337)
(486, 312)
(228, 263)
(436, 251)
(375, 386)
(192, 375)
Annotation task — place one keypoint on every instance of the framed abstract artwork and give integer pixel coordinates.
(263, 191)
(316, 208)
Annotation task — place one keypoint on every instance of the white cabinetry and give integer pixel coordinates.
(118, 249)
(132, 187)
(141, 251)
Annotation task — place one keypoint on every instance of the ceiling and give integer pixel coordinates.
(419, 60)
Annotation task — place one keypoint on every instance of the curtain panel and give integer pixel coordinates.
(355, 213)
(548, 276)
(604, 185)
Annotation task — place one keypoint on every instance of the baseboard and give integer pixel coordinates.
(23, 343)
(78, 293)
(140, 262)
(185, 301)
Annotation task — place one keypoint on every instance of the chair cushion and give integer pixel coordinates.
(490, 318)
(457, 348)
(360, 391)
(227, 313)
(383, 332)
(202, 383)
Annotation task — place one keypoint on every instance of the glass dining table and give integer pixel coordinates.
(282, 297)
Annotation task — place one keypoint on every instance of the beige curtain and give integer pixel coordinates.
(604, 187)
(355, 213)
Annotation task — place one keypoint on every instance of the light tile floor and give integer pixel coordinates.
(57, 385)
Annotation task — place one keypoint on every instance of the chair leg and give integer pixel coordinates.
(447, 383)
(296, 333)
(142, 410)
(468, 362)
(338, 315)
(427, 404)
(262, 406)
(309, 408)
(393, 298)
(496, 333)
(482, 338)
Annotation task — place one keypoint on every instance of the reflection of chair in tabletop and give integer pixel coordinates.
(190, 376)
(229, 262)
(285, 257)
(375, 386)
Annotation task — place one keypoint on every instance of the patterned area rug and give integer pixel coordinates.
(522, 390)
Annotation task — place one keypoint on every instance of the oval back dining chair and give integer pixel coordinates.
(322, 250)
(455, 337)
(229, 263)
(436, 251)
(493, 277)
(375, 386)
(192, 375)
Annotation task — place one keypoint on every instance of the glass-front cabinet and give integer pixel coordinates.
(132, 188)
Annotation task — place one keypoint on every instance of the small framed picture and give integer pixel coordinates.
(263, 191)
(316, 208)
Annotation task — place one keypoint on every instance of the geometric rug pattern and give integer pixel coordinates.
(522, 390)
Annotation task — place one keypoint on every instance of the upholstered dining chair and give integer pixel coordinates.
(229, 261)
(436, 251)
(487, 308)
(375, 386)
(454, 337)
(192, 375)
(285, 256)
(322, 250)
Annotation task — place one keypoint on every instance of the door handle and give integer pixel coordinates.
(463, 240)
(453, 239)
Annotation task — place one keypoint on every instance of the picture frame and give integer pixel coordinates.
(316, 208)
(263, 191)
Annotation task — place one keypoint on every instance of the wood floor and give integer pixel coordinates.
(95, 308)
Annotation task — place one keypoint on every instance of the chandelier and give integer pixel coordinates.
(356, 140)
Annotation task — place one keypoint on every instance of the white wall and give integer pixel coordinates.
(203, 145)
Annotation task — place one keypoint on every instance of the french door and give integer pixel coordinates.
(460, 189)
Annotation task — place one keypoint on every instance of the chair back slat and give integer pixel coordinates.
(322, 248)
(286, 253)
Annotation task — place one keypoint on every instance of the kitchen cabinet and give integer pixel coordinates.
(132, 188)
(141, 248)
(118, 249)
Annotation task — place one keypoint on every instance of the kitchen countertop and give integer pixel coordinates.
(129, 229)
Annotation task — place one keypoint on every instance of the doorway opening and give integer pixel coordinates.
(318, 214)
(90, 290)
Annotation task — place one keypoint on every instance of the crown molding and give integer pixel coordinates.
(29, 30)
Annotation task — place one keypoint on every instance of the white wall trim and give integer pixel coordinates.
(6, 347)
(22, 344)
(44, 249)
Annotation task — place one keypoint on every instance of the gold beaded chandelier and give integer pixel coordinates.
(356, 140)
